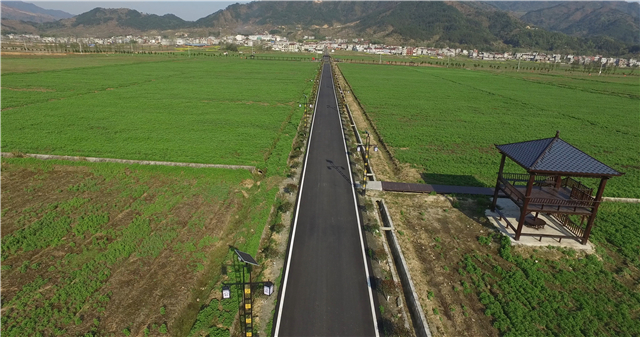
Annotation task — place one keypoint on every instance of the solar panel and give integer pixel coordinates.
(246, 258)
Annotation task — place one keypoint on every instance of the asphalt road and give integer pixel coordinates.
(325, 290)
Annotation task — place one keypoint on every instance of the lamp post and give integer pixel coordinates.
(247, 291)
(306, 117)
(305, 103)
(366, 160)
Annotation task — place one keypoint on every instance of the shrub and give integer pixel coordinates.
(162, 328)
(277, 227)
(291, 188)
(285, 207)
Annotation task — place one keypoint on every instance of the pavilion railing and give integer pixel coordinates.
(578, 191)
(515, 178)
(511, 191)
(557, 203)
(567, 223)
(580, 194)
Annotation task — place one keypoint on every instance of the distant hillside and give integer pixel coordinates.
(520, 8)
(471, 24)
(128, 18)
(18, 10)
(619, 20)
(465, 24)
(305, 13)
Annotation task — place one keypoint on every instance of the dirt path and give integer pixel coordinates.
(125, 161)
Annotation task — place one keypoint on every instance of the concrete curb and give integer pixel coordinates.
(413, 303)
(624, 200)
(126, 161)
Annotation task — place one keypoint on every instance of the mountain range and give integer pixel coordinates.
(602, 27)
(18, 10)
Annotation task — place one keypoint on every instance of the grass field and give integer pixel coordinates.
(200, 109)
(445, 121)
(33, 63)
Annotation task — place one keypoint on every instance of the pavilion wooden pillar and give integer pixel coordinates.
(594, 210)
(497, 190)
(525, 205)
(558, 181)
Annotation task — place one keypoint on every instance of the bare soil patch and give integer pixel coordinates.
(29, 89)
(434, 236)
(153, 285)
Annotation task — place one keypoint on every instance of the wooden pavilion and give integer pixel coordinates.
(549, 186)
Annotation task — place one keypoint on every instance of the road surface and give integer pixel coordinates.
(325, 290)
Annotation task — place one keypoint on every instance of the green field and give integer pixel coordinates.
(32, 63)
(543, 295)
(445, 121)
(200, 109)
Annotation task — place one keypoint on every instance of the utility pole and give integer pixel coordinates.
(518, 65)
(600, 68)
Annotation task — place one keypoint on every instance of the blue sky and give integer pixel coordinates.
(187, 10)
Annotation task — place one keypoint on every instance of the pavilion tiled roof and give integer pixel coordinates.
(554, 155)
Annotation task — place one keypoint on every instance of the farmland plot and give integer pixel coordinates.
(106, 248)
(207, 110)
(33, 63)
(455, 117)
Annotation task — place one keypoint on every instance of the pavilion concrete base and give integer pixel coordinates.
(374, 185)
(512, 213)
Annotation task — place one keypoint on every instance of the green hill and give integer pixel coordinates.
(129, 18)
(594, 27)
(618, 20)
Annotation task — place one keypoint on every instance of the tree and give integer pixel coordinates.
(231, 47)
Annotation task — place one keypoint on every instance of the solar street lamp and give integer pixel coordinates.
(246, 258)
(247, 291)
